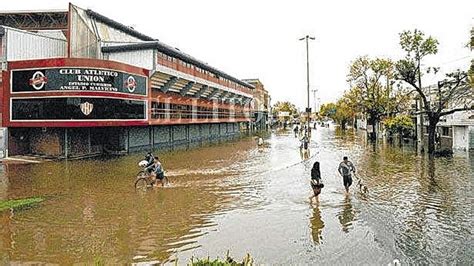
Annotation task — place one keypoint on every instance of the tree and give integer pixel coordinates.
(372, 83)
(400, 124)
(352, 99)
(471, 70)
(328, 110)
(451, 95)
(284, 107)
(344, 112)
(340, 112)
(471, 74)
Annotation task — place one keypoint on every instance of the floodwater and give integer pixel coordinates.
(239, 198)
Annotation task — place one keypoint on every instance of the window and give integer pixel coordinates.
(75, 108)
(446, 131)
(183, 111)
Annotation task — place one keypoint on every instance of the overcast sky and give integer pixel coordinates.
(259, 39)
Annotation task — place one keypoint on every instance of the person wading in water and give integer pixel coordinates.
(345, 169)
(316, 183)
(295, 130)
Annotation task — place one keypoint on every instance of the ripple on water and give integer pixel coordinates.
(251, 200)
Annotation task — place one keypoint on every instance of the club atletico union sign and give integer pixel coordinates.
(77, 79)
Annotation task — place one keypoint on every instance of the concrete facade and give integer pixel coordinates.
(175, 136)
(262, 106)
(51, 142)
(454, 131)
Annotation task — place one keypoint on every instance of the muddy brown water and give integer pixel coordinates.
(239, 198)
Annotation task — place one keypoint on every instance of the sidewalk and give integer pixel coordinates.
(23, 159)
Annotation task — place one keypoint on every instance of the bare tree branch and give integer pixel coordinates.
(456, 110)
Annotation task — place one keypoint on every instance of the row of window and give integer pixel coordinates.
(233, 101)
(442, 131)
(77, 108)
(182, 111)
(188, 65)
(200, 70)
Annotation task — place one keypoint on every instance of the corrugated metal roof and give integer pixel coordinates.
(12, 12)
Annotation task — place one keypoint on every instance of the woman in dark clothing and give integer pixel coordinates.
(316, 183)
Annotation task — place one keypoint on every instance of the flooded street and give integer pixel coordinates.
(237, 197)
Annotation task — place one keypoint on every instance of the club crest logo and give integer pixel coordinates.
(131, 84)
(38, 80)
(86, 108)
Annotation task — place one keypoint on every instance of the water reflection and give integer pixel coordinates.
(305, 154)
(317, 224)
(239, 197)
(91, 208)
(347, 214)
(3, 183)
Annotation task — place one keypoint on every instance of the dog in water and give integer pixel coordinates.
(362, 187)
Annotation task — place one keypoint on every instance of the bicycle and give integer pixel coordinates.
(147, 179)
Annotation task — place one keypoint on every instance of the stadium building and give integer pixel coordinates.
(76, 83)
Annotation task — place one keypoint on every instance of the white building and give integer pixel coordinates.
(460, 128)
(456, 131)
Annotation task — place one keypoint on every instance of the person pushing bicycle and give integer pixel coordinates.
(159, 172)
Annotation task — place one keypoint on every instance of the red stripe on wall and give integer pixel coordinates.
(196, 121)
(78, 93)
(6, 98)
(78, 124)
(77, 62)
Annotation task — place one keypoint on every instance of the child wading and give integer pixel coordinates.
(316, 183)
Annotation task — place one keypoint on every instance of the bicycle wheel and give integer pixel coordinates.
(141, 183)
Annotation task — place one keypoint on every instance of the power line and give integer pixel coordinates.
(455, 60)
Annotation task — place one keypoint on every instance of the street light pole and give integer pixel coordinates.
(314, 100)
(306, 38)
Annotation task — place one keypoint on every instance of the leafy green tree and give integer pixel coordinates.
(340, 112)
(328, 110)
(400, 124)
(344, 112)
(353, 99)
(284, 107)
(372, 83)
(453, 94)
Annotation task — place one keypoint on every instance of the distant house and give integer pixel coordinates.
(261, 109)
(455, 131)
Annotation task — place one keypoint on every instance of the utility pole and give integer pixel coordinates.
(314, 100)
(308, 112)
